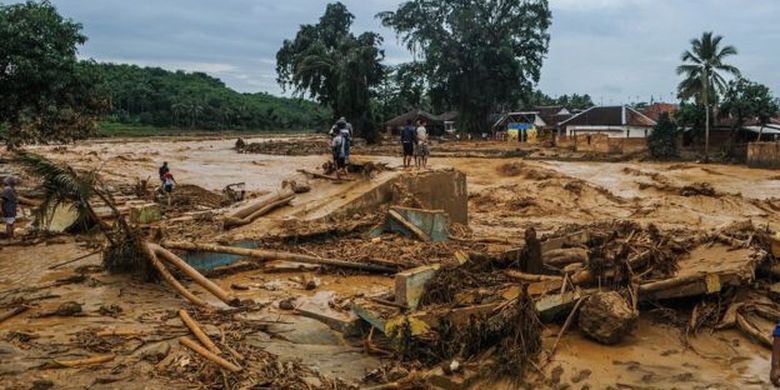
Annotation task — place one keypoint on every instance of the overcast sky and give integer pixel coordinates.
(615, 50)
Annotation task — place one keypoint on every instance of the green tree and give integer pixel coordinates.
(46, 94)
(334, 66)
(662, 142)
(693, 117)
(745, 100)
(702, 67)
(478, 55)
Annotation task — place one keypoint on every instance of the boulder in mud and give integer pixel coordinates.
(607, 318)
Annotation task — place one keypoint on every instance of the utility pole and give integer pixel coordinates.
(706, 77)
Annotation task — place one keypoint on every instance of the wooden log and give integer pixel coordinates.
(117, 332)
(266, 255)
(196, 276)
(166, 275)
(13, 313)
(524, 277)
(188, 342)
(84, 362)
(326, 177)
(249, 210)
(233, 221)
(753, 332)
(198, 332)
(408, 225)
(669, 283)
(564, 257)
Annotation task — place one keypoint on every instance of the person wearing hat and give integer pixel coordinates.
(9, 201)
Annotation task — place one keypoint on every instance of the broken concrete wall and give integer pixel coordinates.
(439, 190)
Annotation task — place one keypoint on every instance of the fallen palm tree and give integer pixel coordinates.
(127, 250)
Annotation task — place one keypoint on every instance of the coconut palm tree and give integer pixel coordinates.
(702, 67)
(61, 184)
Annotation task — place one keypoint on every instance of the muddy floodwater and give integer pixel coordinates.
(505, 197)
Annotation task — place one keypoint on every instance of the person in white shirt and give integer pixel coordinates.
(421, 157)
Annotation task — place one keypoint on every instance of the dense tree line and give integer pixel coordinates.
(46, 93)
(329, 63)
(157, 97)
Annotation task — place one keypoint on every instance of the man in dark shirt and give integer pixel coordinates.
(408, 139)
(9, 201)
(163, 170)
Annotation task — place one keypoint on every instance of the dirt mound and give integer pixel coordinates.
(189, 195)
(512, 169)
(695, 189)
(607, 318)
(286, 147)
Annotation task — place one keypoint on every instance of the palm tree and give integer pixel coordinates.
(64, 185)
(703, 81)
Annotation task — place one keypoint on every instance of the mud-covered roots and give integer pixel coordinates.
(127, 255)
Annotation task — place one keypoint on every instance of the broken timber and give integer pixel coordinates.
(266, 255)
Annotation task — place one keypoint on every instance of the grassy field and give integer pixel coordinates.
(114, 129)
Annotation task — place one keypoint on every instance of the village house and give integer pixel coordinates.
(613, 121)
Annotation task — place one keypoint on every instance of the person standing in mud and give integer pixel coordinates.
(9, 201)
(338, 148)
(163, 170)
(408, 139)
(168, 183)
(346, 132)
(422, 152)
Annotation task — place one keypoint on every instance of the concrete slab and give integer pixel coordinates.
(410, 285)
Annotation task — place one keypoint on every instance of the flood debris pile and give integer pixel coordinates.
(293, 147)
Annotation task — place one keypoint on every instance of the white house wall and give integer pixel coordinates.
(611, 131)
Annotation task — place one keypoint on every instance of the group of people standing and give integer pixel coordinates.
(414, 140)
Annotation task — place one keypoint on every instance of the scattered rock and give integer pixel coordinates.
(606, 317)
(42, 384)
(153, 352)
(287, 303)
(581, 376)
(112, 310)
(237, 286)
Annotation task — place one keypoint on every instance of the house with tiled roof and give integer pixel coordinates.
(655, 110)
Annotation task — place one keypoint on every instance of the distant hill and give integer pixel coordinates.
(157, 97)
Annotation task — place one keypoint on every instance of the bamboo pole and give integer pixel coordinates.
(198, 332)
(232, 222)
(12, 313)
(249, 210)
(196, 276)
(524, 277)
(166, 275)
(266, 255)
(412, 228)
(670, 283)
(84, 362)
(188, 342)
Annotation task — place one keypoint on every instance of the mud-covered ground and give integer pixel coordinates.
(506, 196)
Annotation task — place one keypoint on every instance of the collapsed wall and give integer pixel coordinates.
(437, 190)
